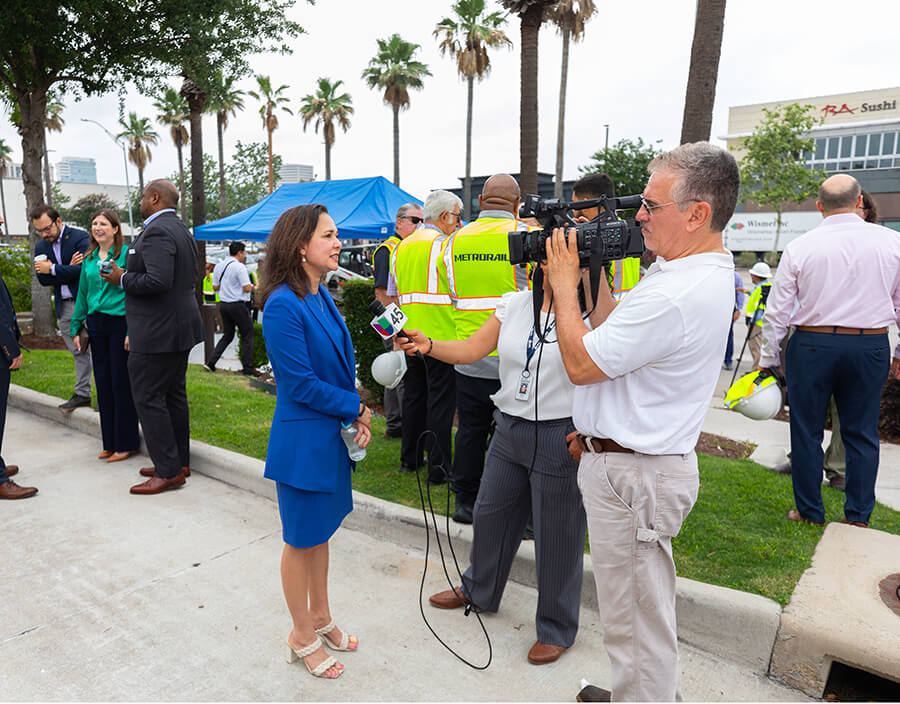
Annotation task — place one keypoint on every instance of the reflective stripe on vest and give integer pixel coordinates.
(424, 300)
(390, 243)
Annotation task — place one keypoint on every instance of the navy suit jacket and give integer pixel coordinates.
(9, 328)
(71, 240)
(315, 372)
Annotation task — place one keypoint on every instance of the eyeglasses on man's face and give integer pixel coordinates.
(455, 215)
(46, 230)
(412, 218)
(650, 206)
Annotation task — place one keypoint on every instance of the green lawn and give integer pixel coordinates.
(737, 536)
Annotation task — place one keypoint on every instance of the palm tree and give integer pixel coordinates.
(326, 106)
(224, 99)
(569, 16)
(140, 136)
(394, 70)
(5, 151)
(173, 112)
(52, 123)
(532, 14)
(272, 100)
(700, 95)
(467, 36)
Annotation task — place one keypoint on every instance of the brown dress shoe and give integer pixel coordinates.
(150, 471)
(449, 599)
(12, 470)
(838, 482)
(543, 653)
(783, 468)
(10, 490)
(103, 455)
(794, 515)
(156, 485)
(858, 524)
(119, 456)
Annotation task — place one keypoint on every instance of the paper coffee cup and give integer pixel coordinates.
(40, 258)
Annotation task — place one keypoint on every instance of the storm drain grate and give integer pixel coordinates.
(849, 684)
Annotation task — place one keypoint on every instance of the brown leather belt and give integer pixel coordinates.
(601, 445)
(836, 330)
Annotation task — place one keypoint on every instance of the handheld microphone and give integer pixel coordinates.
(389, 321)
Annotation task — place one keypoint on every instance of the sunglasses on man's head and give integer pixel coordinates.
(412, 218)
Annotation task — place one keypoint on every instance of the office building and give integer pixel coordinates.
(296, 173)
(76, 169)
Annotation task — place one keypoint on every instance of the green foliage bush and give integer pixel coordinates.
(367, 345)
(83, 209)
(15, 267)
(260, 355)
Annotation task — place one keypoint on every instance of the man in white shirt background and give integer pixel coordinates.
(644, 379)
(231, 280)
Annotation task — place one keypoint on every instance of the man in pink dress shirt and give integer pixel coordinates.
(839, 285)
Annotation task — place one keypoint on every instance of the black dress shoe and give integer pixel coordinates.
(393, 433)
(406, 468)
(75, 402)
(590, 693)
(463, 514)
(838, 482)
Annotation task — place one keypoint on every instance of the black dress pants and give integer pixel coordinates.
(160, 398)
(118, 418)
(429, 397)
(476, 410)
(4, 397)
(235, 314)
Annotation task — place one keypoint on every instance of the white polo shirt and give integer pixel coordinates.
(662, 348)
(231, 276)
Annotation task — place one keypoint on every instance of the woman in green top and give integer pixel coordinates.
(101, 306)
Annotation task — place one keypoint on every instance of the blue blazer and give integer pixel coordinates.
(315, 372)
(71, 239)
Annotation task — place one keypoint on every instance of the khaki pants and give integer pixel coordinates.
(754, 343)
(635, 505)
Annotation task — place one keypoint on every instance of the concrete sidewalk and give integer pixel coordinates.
(177, 597)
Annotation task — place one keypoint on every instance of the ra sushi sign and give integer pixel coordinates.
(755, 232)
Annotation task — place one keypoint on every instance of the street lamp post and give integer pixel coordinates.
(606, 144)
(125, 159)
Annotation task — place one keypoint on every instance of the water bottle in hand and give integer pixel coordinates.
(348, 433)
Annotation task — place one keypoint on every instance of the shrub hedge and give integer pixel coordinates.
(367, 345)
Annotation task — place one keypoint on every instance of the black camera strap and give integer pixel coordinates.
(596, 270)
(537, 299)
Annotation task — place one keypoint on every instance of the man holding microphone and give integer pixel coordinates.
(644, 378)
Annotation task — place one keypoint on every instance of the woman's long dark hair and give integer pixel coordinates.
(113, 220)
(283, 262)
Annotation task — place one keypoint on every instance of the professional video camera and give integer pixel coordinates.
(600, 241)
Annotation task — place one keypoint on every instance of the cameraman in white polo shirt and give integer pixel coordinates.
(644, 379)
(232, 282)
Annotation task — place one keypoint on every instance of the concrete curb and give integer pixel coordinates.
(730, 624)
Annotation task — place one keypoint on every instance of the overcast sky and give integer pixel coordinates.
(630, 72)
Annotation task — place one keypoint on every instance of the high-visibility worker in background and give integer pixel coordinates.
(475, 269)
(622, 274)
(760, 275)
(209, 294)
(409, 219)
(429, 398)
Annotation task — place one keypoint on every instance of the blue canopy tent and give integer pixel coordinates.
(363, 208)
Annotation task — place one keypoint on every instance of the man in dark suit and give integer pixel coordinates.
(10, 358)
(57, 261)
(163, 326)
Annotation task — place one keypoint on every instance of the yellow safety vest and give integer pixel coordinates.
(756, 306)
(475, 269)
(423, 299)
(391, 244)
(210, 295)
(625, 275)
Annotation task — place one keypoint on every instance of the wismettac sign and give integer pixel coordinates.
(756, 232)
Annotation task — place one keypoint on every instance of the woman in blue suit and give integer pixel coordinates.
(312, 359)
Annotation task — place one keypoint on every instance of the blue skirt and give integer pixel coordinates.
(310, 518)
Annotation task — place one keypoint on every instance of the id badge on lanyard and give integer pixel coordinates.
(523, 390)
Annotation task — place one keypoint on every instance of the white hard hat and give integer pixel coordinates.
(388, 368)
(762, 270)
(756, 395)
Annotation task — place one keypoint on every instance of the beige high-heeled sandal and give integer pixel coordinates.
(320, 669)
(345, 643)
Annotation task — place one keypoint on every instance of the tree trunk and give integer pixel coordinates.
(179, 146)
(48, 187)
(140, 180)
(195, 100)
(561, 122)
(531, 21)
(701, 85)
(33, 112)
(271, 169)
(467, 181)
(327, 160)
(220, 130)
(396, 145)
